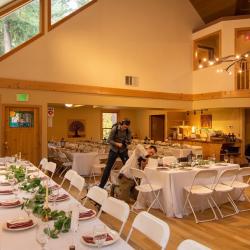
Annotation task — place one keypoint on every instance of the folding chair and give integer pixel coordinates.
(191, 245)
(78, 182)
(151, 226)
(42, 162)
(117, 209)
(146, 187)
(219, 187)
(241, 185)
(50, 167)
(96, 194)
(200, 189)
(68, 176)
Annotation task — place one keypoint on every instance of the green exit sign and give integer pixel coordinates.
(23, 97)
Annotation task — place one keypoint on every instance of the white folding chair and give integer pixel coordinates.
(191, 245)
(199, 187)
(78, 182)
(42, 163)
(146, 187)
(241, 185)
(96, 194)
(117, 209)
(68, 176)
(219, 187)
(151, 226)
(50, 167)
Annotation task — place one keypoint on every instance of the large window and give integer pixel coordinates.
(60, 9)
(108, 120)
(19, 26)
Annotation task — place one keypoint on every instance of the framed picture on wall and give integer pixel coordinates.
(76, 128)
(206, 121)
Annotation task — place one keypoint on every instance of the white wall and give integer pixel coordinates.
(111, 39)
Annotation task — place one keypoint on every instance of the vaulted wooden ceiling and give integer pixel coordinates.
(210, 10)
(4, 2)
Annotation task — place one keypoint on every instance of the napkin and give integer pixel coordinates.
(9, 203)
(54, 187)
(7, 191)
(90, 239)
(5, 183)
(20, 224)
(86, 214)
(61, 197)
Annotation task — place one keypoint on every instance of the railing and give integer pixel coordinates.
(243, 76)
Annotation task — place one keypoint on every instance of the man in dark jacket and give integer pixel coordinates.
(119, 138)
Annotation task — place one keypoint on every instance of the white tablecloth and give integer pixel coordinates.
(83, 162)
(26, 240)
(173, 181)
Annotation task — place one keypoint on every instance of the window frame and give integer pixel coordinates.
(41, 26)
(52, 26)
(107, 111)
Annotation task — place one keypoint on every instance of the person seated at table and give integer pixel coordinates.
(125, 190)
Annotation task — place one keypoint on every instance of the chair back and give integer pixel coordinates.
(244, 172)
(228, 174)
(205, 177)
(116, 208)
(137, 173)
(68, 176)
(78, 182)
(42, 163)
(151, 226)
(191, 245)
(50, 167)
(97, 194)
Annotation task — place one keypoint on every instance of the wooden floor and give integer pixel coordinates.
(225, 234)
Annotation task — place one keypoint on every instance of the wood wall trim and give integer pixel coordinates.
(84, 89)
(105, 91)
(222, 19)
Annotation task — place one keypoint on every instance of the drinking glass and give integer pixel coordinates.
(11, 179)
(99, 235)
(16, 191)
(41, 237)
(226, 158)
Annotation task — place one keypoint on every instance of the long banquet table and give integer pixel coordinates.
(172, 182)
(26, 240)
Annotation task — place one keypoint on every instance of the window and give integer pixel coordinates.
(61, 9)
(108, 120)
(206, 50)
(21, 119)
(19, 26)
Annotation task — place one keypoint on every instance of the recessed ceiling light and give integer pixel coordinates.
(68, 105)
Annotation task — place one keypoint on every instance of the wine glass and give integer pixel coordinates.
(55, 195)
(16, 191)
(11, 179)
(100, 235)
(41, 237)
(226, 158)
(28, 209)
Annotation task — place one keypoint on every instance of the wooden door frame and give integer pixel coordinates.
(150, 125)
(3, 135)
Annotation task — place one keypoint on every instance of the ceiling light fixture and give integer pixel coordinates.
(68, 105)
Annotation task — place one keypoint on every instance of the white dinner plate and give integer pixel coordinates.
(64, 199)
(18, 229)
(87, 218)
(112, 233)
(11, 206)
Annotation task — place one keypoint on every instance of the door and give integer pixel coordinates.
(157, 125)
(21, 132)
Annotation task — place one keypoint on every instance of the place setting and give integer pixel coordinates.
(100, 236)
(19, 224)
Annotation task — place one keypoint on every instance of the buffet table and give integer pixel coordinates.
(26, 239)
(173, 181)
